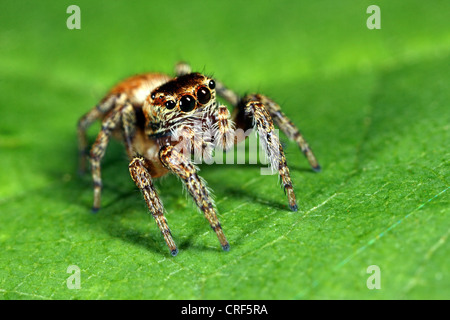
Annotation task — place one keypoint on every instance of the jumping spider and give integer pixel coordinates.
(147, 111)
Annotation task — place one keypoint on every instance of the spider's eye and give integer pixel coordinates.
(170, 104)
(187, 103)
(211, 84)
(203, 95)
(153, 96)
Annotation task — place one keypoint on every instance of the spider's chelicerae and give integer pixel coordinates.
(159, 117)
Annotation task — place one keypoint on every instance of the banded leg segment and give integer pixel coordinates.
(85, 122)
(184, 169)
(121, 115)
(279, 118)
(271, 143)
(143, 180)
(128, 116)
(98, 151)
(227, 94)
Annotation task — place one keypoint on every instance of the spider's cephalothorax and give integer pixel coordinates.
(163, 121)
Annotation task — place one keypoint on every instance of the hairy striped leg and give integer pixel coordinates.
(98, 151)
(85, 122)
(252, 108)
(184, 169)
(120, 115)
(141, 177)
(279, 118)
(287, 127)
(227, 94)
(129, 128)
(271, 143)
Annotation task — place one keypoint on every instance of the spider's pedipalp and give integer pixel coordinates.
(224, 135)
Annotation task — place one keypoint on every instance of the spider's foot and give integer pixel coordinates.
(293, 207)
(317, 168)
(95, 209)
(174, 252)
(226, 247)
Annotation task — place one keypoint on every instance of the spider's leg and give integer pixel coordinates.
(182, 68)
(279, 118)
(184, 169)
(143, 180)
(129, 128)
(263, 122)
(98, 151)
(288, 128)
(85, 122)
(250, 112)
(229, 95)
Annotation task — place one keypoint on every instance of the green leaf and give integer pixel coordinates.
(373, 104)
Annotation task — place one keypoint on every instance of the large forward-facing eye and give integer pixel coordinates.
(203, 95)
(187, 103)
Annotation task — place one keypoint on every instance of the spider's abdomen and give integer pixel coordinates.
(138, 87)
(135, 90)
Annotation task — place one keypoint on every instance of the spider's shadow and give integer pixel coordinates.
(150, 239)
(112, 214)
